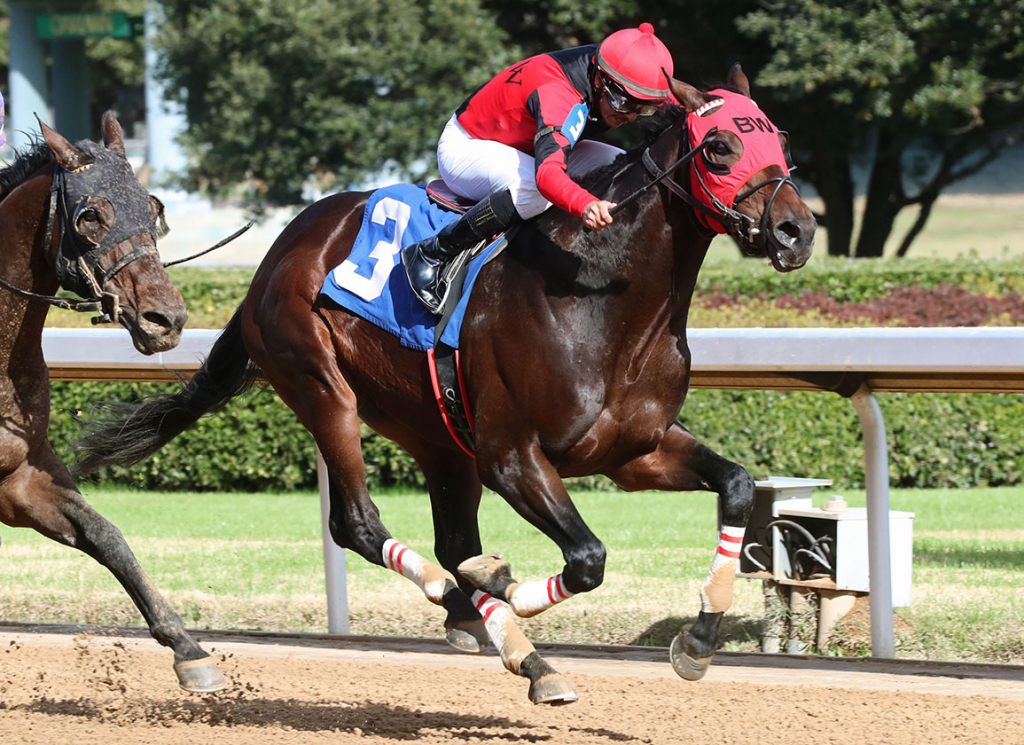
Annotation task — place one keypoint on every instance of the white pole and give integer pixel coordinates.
(876, 478)
(334, 558)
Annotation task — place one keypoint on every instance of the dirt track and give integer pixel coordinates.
(109, 690)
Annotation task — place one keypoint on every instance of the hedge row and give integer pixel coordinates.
(935, 440)
(854, 281)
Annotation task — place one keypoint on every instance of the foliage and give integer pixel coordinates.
(853, 282)
(277, 91)
(927, 92)
(951, 440)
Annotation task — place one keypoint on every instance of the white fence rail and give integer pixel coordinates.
(851, 362)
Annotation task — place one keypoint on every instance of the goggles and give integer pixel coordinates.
(623, 103)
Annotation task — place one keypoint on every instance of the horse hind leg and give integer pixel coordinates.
(682, 463)
(455, 500)
(47, 501)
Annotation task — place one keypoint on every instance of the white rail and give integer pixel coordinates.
(851, 362)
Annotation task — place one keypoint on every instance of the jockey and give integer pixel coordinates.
(514, 144)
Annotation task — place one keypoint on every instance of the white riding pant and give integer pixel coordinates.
(476, 168)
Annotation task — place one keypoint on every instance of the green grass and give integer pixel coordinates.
(255, 561)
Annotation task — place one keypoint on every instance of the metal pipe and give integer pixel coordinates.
(876, 481)
(334, 558)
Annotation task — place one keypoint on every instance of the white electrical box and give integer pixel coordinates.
(769, 496)
(845, 531)
(848, 531)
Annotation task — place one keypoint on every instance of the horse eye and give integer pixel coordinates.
(720, 147)
(89, 216)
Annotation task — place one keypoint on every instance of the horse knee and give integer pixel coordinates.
(736, 492)
(584, 569)
(361, 538)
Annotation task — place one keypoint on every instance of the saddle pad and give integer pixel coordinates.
(372, 282)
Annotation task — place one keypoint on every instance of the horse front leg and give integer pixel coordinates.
(682, 463)
(532, 486)
(43, 496)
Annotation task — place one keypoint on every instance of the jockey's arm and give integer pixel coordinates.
(560, 116)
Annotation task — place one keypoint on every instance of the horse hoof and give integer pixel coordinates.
(471, 638)
(490, 572)
(200, 676)
(686, 666)
(553, 690)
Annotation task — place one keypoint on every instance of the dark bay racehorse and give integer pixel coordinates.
(75, 216)
(575, 362)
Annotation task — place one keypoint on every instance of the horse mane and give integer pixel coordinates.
(651, 128)
(26, 162)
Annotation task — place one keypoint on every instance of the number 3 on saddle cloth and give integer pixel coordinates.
(372, 283)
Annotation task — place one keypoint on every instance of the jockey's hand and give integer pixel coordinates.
(597, 215)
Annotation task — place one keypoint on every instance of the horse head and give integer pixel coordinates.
(106, 239)
(740, 179)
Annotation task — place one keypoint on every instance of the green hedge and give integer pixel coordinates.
(857, 280)
(935, 440)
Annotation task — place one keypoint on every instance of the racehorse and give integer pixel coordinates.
(574, 359)
(75, 217)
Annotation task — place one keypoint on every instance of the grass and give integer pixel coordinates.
(254, 561)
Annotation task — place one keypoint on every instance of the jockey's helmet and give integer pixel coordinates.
(633, 58)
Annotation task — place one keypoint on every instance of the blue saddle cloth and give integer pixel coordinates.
(372, 282)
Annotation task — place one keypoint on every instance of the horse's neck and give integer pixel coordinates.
(23, 262)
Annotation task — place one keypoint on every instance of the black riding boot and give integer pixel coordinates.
(425, 261)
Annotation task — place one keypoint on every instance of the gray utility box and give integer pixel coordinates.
(845, 531)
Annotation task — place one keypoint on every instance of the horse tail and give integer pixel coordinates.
(120, 433)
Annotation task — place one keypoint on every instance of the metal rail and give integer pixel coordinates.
(851, 362)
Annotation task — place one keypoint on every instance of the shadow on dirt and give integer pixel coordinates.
(357, 717)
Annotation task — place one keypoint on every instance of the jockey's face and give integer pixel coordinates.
(610, 116)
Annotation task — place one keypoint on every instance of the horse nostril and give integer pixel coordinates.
(163, 321)
(788, 233)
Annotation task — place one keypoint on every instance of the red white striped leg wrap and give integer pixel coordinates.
(530, 598)
(429, 576)
(501, 627)
(716, 593)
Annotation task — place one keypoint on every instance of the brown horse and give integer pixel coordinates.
(575, 362)
(75, 216)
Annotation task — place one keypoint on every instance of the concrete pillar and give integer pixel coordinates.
(27, 83)
(71, 104)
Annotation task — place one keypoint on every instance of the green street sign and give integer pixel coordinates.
(88, 25)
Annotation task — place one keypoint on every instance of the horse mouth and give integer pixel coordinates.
(773, 250)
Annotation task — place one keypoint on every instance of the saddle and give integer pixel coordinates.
(444, 197)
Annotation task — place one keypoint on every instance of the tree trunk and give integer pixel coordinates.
(835, 186)
(885, 198)
(834, 181)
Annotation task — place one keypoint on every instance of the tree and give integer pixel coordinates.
(928, 91)
(276, 91)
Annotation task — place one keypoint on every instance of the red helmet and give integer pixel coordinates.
(633, 58)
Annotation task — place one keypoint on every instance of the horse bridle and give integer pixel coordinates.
(79, 270)
(736, 223)
(78, 260)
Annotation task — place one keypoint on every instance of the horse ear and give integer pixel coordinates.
(113, 135)
(69, 156)
(738, 80)
(689, 97)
